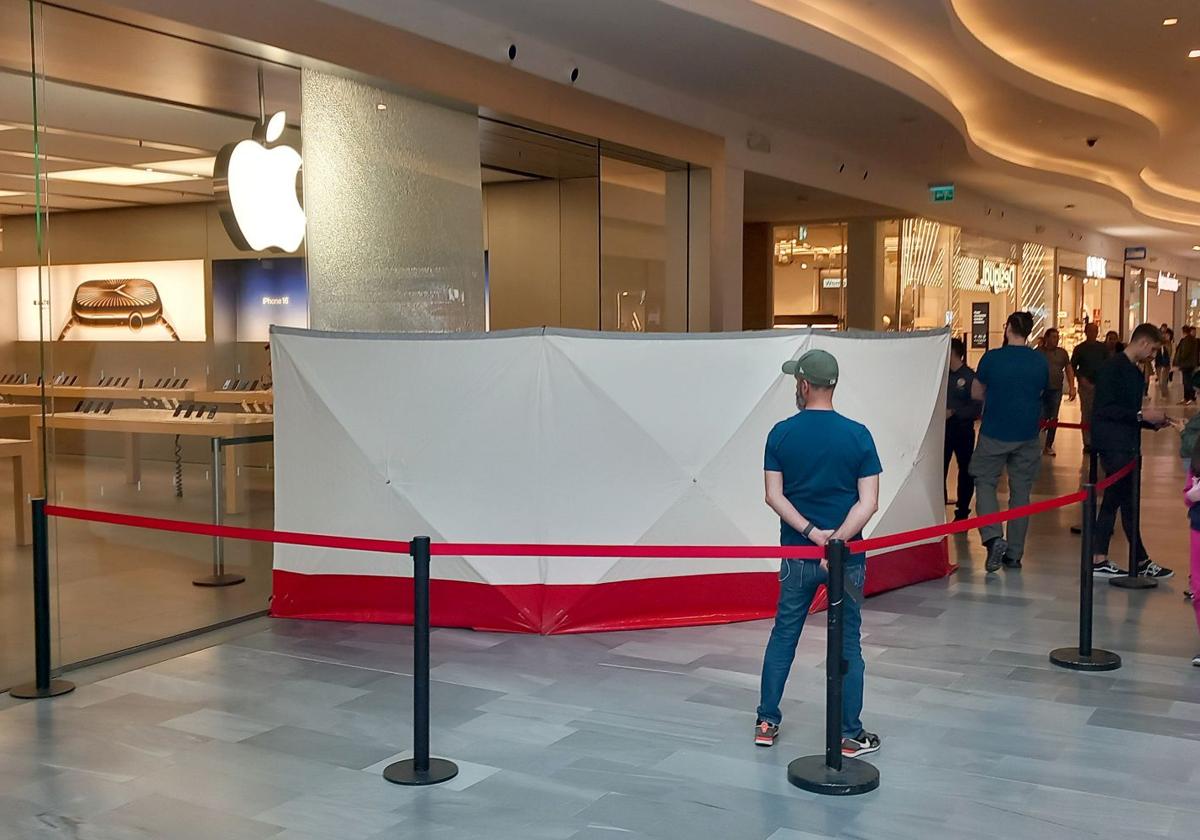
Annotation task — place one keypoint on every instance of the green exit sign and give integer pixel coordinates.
(942, 192)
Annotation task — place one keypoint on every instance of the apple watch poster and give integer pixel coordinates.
(161, 300)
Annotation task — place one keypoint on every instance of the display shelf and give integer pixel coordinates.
(231, 397)
(92, 392)
(161, 421)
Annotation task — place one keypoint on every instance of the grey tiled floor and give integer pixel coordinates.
(646, 734)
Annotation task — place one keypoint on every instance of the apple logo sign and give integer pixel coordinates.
(259, 176)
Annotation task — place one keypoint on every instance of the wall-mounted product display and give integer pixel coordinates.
(142, 301)
(261, 292)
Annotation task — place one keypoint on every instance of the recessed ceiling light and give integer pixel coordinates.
(1194, 54)
(155, 172)
(379, 106)
(1196, 247)
(1170, 21)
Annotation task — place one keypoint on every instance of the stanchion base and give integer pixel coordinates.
(811, 774)
(405, 772)
(1097, 660)
(1127, 582)
(226, 579)
(30, 691)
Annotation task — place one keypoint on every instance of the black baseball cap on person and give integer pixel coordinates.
(816, 367)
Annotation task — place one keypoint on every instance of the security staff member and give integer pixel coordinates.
(961, 413)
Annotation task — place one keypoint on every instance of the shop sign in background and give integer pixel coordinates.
(980, 324)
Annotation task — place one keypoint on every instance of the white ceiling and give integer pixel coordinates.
(996, 95)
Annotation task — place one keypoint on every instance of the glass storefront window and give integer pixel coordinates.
(1191, 314)
(924, 270)
(1036, 283)
(810, 275)
(643, 247)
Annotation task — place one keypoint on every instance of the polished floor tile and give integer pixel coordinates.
(645, 735)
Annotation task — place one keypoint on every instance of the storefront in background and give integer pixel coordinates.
(1160, 290)
(1191, 302)
(971, 283)
(155, 227)
(809, 275)
(1089, 291)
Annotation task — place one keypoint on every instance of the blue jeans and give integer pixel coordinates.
(798, 582)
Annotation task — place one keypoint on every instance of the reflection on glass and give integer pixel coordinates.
(924, 254)
(809, 275)
(643, 247)
(113, 309)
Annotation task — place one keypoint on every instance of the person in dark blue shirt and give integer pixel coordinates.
(1010, 381)
(962, 410)
(821, 472)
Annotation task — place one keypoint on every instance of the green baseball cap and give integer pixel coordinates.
(815, 366)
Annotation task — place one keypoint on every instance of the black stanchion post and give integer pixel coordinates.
(1133, 580)
(1085, 657)
(1093, 479)
(831, 774)
(219, 576)
(420, 769)
(42, 686)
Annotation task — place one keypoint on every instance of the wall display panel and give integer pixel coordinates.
(259, 293)
(135, 301)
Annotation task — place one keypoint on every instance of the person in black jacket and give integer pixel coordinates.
(961, 413)
(1117, 421)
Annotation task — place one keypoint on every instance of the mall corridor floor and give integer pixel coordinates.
(283, 733)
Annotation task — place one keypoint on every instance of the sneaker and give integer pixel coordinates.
(1195, 663)
(1149, 569)
(996, 549)
(1012, 563)
(1187, 595)
(865, 742)
(1107, 569)
(765, 733)
(1049, 450)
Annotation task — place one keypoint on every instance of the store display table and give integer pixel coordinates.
(24, 457)
(230, 397)
(96, 392)
(135, 422)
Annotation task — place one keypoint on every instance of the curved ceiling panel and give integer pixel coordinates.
(1105, 107)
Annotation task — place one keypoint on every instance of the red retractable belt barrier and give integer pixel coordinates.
(1109, 481)
(458, 549)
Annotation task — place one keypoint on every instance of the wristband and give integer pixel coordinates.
(807, 530)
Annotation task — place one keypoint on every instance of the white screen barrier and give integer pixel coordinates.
(550, 436)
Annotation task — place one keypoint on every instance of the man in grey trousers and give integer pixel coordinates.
(1010, 381)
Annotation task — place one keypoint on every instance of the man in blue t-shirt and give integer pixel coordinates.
(1010, 381)
(822, 478)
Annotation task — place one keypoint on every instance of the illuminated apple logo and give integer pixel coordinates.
(260, 179)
